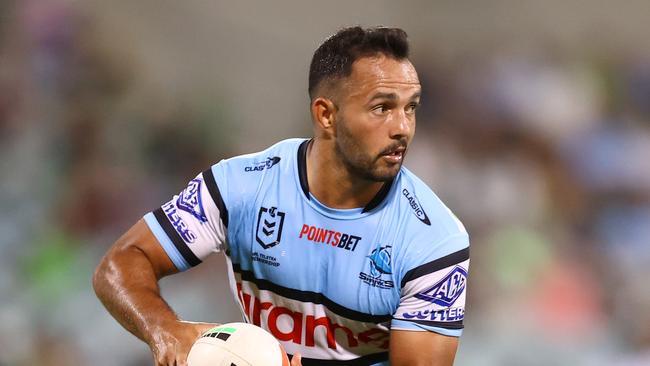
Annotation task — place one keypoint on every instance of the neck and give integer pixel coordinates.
(332, 182)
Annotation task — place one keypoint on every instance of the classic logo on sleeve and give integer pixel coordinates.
(190, 200)
(268, 163)
(380, 266)
(269, 227)
(416, 206)
(446, 291)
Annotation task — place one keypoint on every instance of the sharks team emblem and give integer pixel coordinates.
(380, 268)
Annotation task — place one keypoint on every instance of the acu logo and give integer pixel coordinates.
(447, 290)
(269, 227)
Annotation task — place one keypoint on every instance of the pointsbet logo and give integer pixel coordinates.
(329, 237)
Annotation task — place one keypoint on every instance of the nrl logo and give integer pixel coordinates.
(446, 291)
(269, 227)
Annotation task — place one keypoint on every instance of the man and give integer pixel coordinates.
(332, 245)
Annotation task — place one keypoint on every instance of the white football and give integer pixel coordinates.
(238, 344)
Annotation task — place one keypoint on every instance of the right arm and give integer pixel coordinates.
(126, 282)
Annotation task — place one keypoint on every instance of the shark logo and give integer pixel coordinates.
(380, 266)
(380, 261)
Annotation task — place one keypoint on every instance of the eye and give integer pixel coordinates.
(412, 107)
(381, 108)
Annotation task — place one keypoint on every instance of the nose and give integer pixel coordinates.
(402, 125)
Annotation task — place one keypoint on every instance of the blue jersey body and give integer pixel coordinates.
(328, 283)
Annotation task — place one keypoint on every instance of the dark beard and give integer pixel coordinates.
(357, 162)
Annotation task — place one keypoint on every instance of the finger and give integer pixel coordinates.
(164, 361)
(181, 360)
(296, 360)
(159, 360)
(181, 356)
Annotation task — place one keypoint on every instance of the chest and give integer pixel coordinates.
(300, 250)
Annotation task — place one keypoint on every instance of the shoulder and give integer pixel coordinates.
(432, 230)
(247, 168)
(434, 217)
(239, 178)
(282, 151)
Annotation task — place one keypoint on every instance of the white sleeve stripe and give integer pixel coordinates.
(176, 239)
(166, 243)
(436, 265)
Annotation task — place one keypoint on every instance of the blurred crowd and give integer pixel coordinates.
(543, 153)
(541, 150)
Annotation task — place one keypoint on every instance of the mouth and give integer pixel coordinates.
(395, 154)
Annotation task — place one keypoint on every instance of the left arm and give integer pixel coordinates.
(428, 322)
(413, 348)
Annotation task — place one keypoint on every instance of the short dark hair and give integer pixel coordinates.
(334, 58)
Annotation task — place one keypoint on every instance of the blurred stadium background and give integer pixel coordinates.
(535, 130)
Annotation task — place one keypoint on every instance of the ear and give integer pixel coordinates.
(323, 113)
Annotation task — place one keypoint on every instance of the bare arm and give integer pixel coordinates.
(411, 348)
(126, 281)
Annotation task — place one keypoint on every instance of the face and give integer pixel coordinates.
(375, 121)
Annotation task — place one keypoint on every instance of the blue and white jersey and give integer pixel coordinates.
(328, 283)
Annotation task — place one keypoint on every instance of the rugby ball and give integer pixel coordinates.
(238, 344)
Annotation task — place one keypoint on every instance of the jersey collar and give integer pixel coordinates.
(304, 184)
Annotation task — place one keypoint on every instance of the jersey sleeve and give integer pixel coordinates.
(433, 288)
(193, 224)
